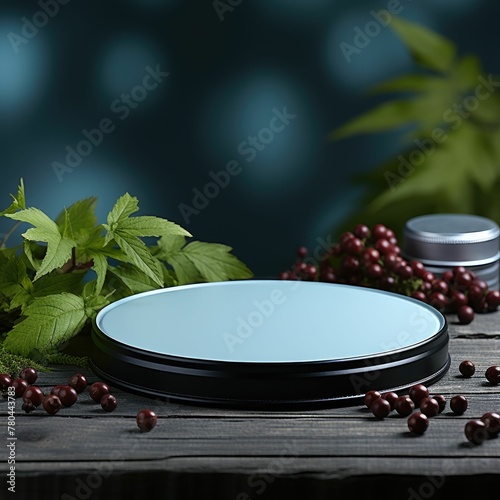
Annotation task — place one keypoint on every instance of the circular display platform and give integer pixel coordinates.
(268, 343)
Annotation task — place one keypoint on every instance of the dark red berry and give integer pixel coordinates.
(458, 404)
(418, 423)
(55, 390)
(5, 381)
(51, 404)
(463, 279)
(374, 271)
(419, 296)
(391, 397)
(429, 407)
(380, 408)
(441, 401)
(493, 300)
(78, 381)
(146, 420)
(370, 255)
(20, 386)
(465, 314)
(440, 286)
(418, 268)
(383, 246)
(457, 300)
(97, 391)
(474, 293)
(67, 395)
(302, 252)
(29, 374)
(467, 368)
(438, 300)
(448, 276)
(418, 392)
(492, 374)
(109, 402)
(492, 422)
(28, 406)
(370, 397)
(34, 394)
(379, 231)
(404, 405)
(354, 246)
(475, 431)
(362, 231)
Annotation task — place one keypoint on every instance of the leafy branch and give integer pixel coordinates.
(450, 111)
(67, 269)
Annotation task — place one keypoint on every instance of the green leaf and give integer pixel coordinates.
(49, 321)
(124, 207)
(137, 253)
(386, 116)
(79, 219)
(19, 201)
(215, 262)
(59, 247)
(185, 270)
(134, 279)
(169, 246)
(429, 49)
(53, 283)
(100, 267)
(146, 225)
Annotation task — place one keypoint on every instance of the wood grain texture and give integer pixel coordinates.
(327, 449)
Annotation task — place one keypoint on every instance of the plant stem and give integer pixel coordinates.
(8, 234)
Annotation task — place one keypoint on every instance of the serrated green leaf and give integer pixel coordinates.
(429, 49)
(215, 262)
(12, 276)
(146, 225)
(124, 207)
(53, 283)
(169, 246)
(19, 201)
(134, 279)
(78, 220)
(100, 267)
(137, 253)
(185, 270)
(48, 322)
(59, 248)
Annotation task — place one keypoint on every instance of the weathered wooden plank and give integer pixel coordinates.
(103, 439)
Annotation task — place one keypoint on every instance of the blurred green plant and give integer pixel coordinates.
(450, 109)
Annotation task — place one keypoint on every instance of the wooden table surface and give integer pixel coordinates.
(196, 452)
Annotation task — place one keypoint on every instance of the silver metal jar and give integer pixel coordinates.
(443, 241)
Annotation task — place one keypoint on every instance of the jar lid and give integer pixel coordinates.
(452, 239)
(268, 343)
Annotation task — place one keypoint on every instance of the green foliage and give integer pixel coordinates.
(450, 110)
(53, 285)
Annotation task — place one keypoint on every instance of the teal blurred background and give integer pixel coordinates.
(253, 89)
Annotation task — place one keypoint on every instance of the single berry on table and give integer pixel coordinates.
(429, 407)
(404, 405)
(467, 368)
(475, 431)
(34, 394)
(146, 420)
(67, 395)
(458, 404)
(418, 422)
(97, 391)
(465, 315)
(380, 408)
(441, 401)
(51, 404)
(492, 374)
(78, 381)
(418, 392)
(370, 397)
(492, 422)
(391, 397)
(5, 381)
(20, 385)
(108, 402)
(29, 374)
